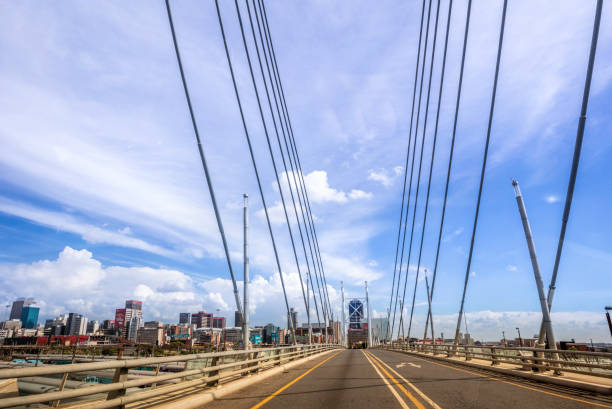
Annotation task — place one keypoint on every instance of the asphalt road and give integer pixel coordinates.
(359, 379)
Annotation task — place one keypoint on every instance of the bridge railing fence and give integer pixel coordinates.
(188, 372)
(536, 359)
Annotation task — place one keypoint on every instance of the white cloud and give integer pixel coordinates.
(360, 194)
(88, 232)
(319, 189)
(511, 267)
(552, 199)
(77, 282)
(382, 176)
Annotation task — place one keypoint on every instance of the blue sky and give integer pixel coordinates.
(102, 196)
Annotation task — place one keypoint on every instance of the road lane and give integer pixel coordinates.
(347, 380)
(451, 386)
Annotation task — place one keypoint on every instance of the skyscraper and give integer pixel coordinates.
(18, 306)
(292, 318)
(29, 316)
(237, 319)
(123, 316)
(355, 313)
(185, 318)
(76, 324)
(202, 319)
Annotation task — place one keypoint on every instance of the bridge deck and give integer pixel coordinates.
(358, 379)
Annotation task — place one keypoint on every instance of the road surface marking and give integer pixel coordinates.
(393, 391)
(266, 400)
(414, 365)
(398, 384)
(417, 390)
(603, 405)
(400, 365)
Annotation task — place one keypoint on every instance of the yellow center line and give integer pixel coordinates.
(417, 390)
(393, 391)
(398, 384)
(558, 395)
(266, 400)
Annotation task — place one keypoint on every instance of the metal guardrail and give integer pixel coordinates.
(536, 359)
(206, 369)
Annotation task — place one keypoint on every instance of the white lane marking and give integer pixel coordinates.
(397, 396)
(400, 365)
(414, 365)
(417, 390)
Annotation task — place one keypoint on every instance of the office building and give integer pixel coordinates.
(29, 316)
(355, 314)
(132, 328)
(93, 327)
(231, 335)
(18, 306)
(185, 318)
(202, 319)
(237, 319)
(292, 321)
(76, 324)
(152, 333)
(123, 316)
(218, 322)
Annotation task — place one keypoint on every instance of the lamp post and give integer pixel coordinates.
(504, 338)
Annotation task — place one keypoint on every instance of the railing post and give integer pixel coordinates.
(214, 362)
(121, 375)
(467, 353)
(494, 360)
(56, 403)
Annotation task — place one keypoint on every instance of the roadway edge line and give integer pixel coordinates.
(278, 391)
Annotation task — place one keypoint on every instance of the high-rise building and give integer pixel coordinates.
(292, 319)
(202, 319)
(29, 316)
(218, 322)
(185, 318)
(355, 314)
(93, 327)
(123, 316)
(237, 319)
(134, 305)
(76, 324)
(133, 327)
(18, 306)
(56, 326)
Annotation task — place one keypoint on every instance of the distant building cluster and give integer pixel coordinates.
(129, 327)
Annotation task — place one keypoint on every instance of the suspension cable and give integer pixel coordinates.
(295, 152)
(399, 227)
(433, 152)
(263, 42)
(248, 138)
(416, 199)
(280, 188)
(416, 76)
(575, 160)
(430, 291)
(211, 190)
(484, 164)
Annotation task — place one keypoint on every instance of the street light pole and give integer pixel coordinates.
(369, 319)
(520, 339)
(245, 315)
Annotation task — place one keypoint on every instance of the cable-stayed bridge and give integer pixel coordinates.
(396, 368)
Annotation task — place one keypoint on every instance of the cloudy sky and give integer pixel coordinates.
(103, 198)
